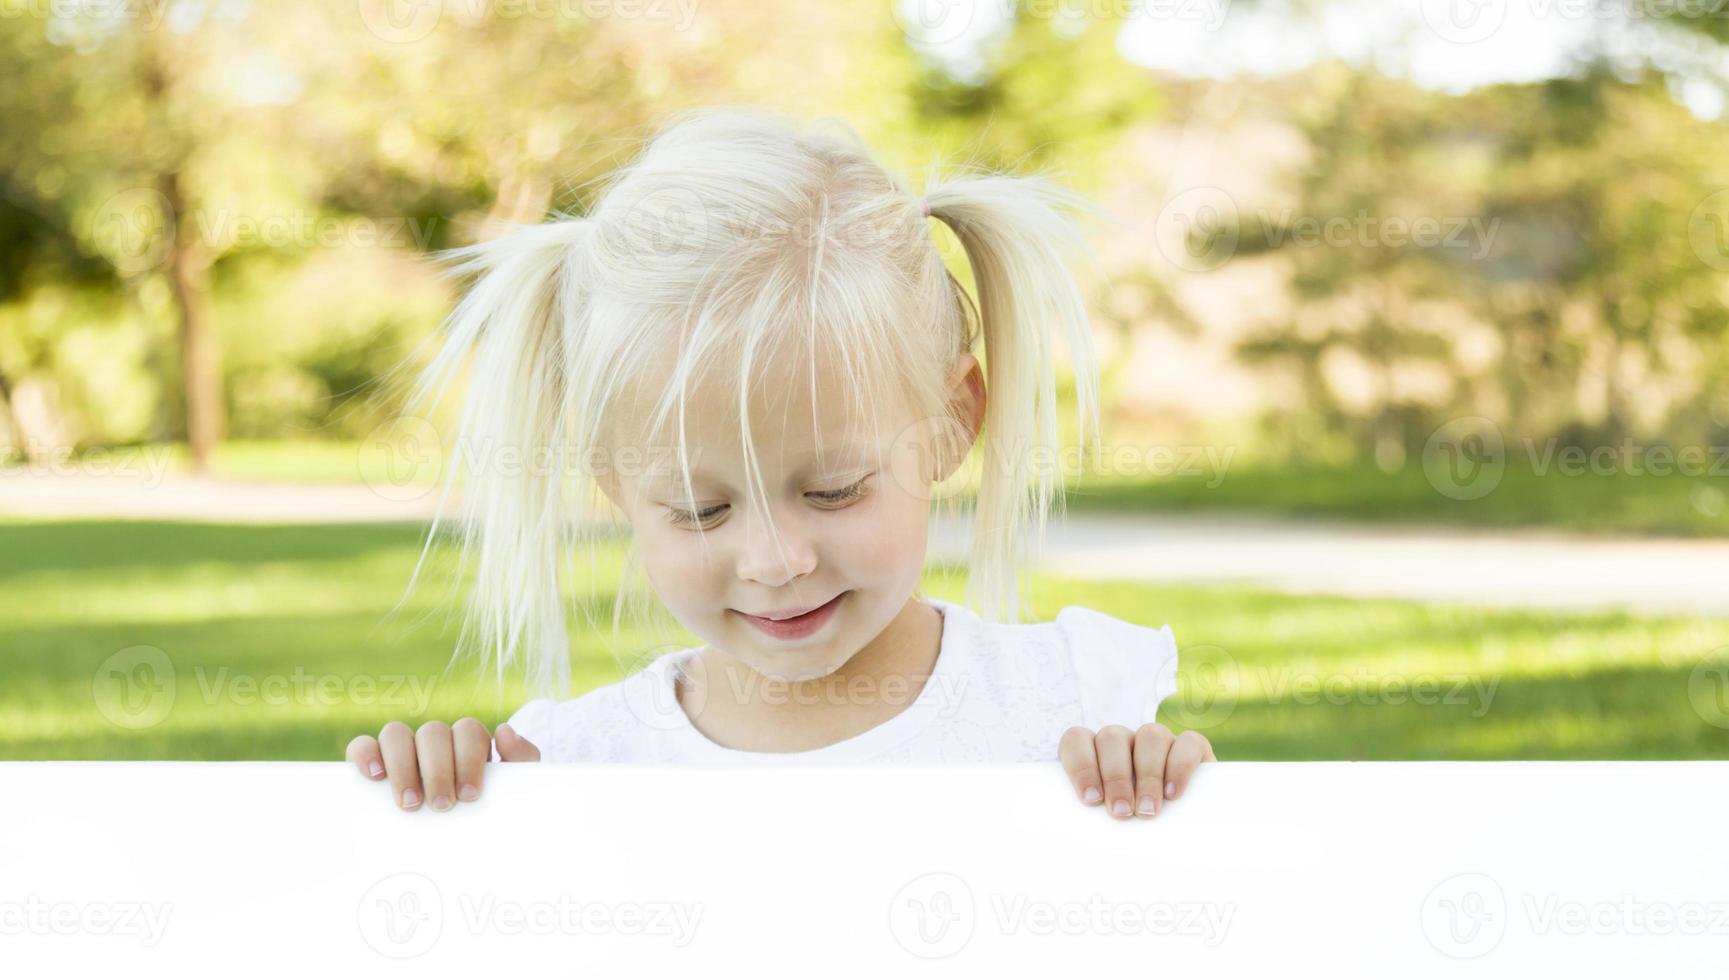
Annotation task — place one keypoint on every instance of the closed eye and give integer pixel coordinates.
(847, 494)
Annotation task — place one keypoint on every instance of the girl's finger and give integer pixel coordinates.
(513, 747)
(363, 752)
(396, 744)
(1079, 759)
(1152, 744)
(437, 763)
(473, 745)
(1116, 748)
(1189, 750)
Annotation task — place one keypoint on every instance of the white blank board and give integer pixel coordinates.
(1337, 869)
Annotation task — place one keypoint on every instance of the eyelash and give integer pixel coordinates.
(685, 518)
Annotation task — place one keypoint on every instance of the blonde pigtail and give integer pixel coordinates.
(519, 324)
(1017, 234)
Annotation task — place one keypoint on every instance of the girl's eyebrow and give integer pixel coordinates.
(664, 479)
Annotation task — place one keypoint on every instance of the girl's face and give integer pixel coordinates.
(852, 529)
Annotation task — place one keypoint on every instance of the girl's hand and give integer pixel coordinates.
(1149, 760)
(442, 761)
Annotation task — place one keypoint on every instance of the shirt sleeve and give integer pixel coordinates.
(1125, 670)
(533, 721)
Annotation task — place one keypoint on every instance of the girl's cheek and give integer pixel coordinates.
(881, 532)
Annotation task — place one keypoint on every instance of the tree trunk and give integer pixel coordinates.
(200, 350)
(14, 428)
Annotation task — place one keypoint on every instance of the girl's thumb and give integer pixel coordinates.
(513, 747)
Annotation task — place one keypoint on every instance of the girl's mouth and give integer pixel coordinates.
(797, 627)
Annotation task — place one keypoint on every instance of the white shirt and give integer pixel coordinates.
(998, 693)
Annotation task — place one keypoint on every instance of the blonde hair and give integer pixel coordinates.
(733, 235)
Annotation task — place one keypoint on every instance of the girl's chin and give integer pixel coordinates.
(790, 670)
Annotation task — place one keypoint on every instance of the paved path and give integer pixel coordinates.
(1483, 567)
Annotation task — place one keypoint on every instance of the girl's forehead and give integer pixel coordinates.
(790, 408)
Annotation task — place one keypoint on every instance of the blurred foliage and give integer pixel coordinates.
(232, 198)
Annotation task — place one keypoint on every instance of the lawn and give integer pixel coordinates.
(124, 640)
(1533, 490)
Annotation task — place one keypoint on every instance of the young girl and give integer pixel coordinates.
(752, 347)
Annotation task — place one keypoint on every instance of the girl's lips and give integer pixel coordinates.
(798, 626)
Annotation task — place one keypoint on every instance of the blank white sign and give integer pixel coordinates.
(1332, 869)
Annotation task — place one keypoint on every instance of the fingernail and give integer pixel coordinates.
(441, 802)
(1092, 795)
(1148, 806)
(410, 799)
(467, 793)
(1170, 791)
(377, 769)
(1120, 808)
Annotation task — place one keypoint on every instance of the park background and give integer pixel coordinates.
(1411, 314)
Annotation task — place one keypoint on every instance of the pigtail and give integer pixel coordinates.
(518, 323)
(1016, 237)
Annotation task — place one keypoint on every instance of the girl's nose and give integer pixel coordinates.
(763, 560)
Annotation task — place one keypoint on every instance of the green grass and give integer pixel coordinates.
(1693, 505)
(280, 647)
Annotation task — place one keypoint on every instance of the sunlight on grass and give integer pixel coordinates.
(279, 647)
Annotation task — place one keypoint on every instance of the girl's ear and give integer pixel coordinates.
(967, 396)
(972, 376)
